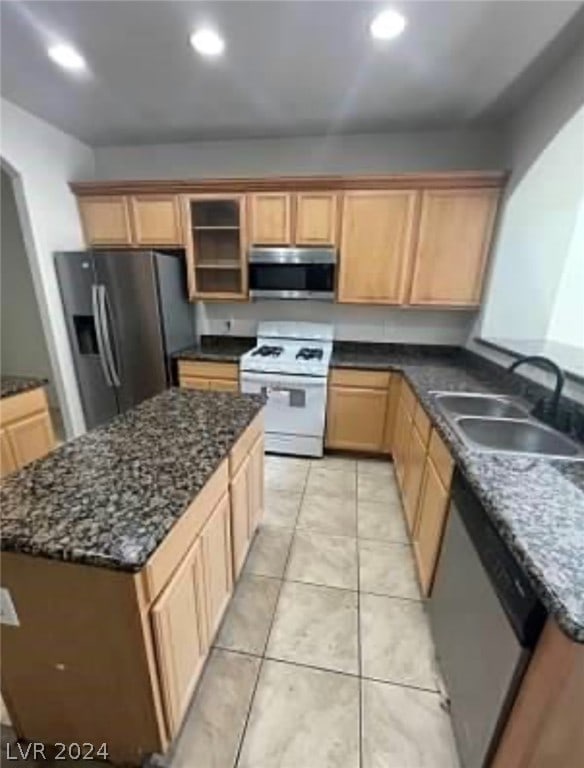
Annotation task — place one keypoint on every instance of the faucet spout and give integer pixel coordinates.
(545, 362)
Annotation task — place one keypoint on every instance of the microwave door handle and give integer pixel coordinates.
(99, 334)
(105, 315)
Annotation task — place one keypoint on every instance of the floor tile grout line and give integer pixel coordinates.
(269, 632)
(340, 589)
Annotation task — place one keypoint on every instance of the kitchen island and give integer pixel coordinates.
(120, 551)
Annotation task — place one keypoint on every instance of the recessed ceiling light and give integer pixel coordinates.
(67, 57)
(387, 25)
(207, 42)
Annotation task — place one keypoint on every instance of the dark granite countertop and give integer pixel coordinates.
(110, 497)
(537, 505)
(16, 385)
(225, 349)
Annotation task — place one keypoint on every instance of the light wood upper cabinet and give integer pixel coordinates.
(270, 218)
(180, 633)
(157, 220)
(316, 218)
(217, 563)
(376, 246)
(106, 220)
(455, 233)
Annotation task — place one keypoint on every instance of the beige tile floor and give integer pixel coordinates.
(324, 658)
(328, 621)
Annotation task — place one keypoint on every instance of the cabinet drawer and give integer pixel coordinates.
(23, 405)
(345, 377)
(442, 459)
(423, 423)
(408, 398)
(208, 370)
(169, 554)
(243, 446)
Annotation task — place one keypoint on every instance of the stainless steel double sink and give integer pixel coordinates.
(499, 423)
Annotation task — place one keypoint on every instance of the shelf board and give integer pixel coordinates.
(216, 227)
(218, 265)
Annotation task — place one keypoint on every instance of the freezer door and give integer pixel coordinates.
(75, 272)
(131, 324)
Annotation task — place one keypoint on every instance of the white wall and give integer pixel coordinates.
(538, 257)
(535, 238)
(23, 347)
(566, 324)
(45, 159)
(356, 154)
(351, 323)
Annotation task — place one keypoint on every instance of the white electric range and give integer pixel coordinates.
(290, 366)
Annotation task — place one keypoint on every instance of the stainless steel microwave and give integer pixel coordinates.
(292, 273)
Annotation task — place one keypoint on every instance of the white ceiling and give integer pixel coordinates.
(290, 68)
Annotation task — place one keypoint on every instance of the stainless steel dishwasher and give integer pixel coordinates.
(485, 619)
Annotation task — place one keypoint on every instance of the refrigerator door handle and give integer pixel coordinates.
(99, 334)
(105, 313)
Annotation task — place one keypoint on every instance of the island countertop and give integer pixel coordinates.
(110, 497)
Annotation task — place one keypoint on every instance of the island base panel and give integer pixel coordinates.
(79, 667)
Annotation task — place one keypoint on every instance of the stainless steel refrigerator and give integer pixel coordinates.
(127, 312)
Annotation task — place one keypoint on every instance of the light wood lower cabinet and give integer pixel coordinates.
(256, 483)
(247, 494)
(424, 470)
(416, 458)
(180, 630)
(432, 511)
(217, 560)
(220, 377)
(240, 515)
(356, 410)
(7, 459)
(26, 430)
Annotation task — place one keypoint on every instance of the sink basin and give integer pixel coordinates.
(517, 436)
(493, 406)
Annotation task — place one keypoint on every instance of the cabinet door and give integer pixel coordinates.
(105, 220)
(270, 219)
(31, 438)
(376, 246)
(217, 563)
(178, 622)
(193, 382)
(356, 418)
(401, 442)
(7, 460)
(256, 484)
(223, 385)
(240, 516)
(413, 477)
(156, 219)
(316, 218)
(453, 245)
(433, 508)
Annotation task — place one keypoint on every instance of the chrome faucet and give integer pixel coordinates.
(545, 362)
